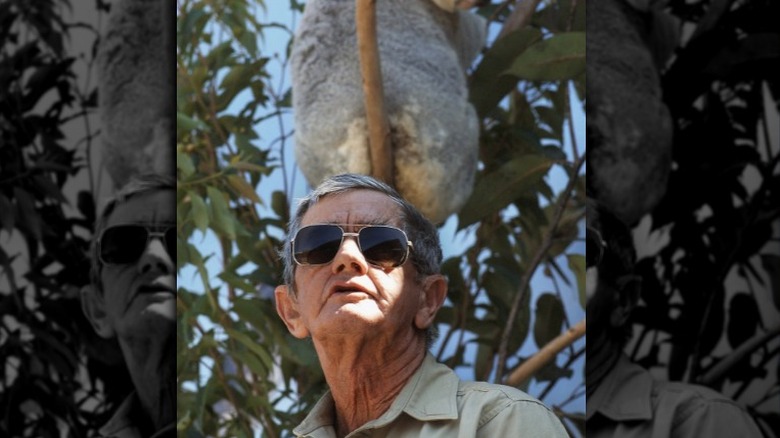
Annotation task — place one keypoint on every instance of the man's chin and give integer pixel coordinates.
(164, 308)
(155, 307)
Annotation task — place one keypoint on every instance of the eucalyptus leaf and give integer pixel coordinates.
(548, 319)
(559, 57)
(496, 190)
(200, 213)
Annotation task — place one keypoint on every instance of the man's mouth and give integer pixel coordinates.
(347, 289)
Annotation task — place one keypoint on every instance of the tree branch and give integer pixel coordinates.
(546, 354)
(541, 252)
(376, 118)
(718, 371)
(519, 17)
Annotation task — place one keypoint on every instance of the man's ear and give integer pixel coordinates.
(287, 308)
(94, 307)
(431, 300)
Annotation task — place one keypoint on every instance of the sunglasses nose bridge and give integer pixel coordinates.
(155, 253)
(349, 253)
(354, 237)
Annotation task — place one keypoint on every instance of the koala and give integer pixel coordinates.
(425, 47)
(136, 90)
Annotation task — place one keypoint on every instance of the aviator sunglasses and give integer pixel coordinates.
(123, 244)
(381, 245)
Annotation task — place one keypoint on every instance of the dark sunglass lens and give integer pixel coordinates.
(170, 242)
(122, 244)
(317, 244)
(383, 246)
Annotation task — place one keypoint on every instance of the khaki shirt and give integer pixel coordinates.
(435, 403)
(629, 403)
(123, 423)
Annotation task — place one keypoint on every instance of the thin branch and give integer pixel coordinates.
(546, 354)
(540, 254)
(719, 371)
(376, 118)
(519, 17)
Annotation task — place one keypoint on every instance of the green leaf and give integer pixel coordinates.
(237, 79)
(251, 311)
(6, 213)
(484, 361)
(28, 216)
(243, 188)
(220, 213)
(254, 346)
(560, 57)
(496, 190)
(249, 167)
(200, 213)
(184, 163)
(279, 204)
(577, 266)
(551, 371)
(771, 264)
(185, 123)
(549, 319)
(488, 83)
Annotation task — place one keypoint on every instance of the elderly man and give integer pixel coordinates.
(362, 280)
(623, 398)
(133, 299)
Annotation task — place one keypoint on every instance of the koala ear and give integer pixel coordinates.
(94, 307)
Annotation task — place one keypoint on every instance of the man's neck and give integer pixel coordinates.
(364, 382)
(153, 371)
(602, 357)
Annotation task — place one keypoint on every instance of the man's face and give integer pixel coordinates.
(349, 295)
(140, 297)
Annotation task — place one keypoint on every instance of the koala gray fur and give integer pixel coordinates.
(425, 47)
(135, 125)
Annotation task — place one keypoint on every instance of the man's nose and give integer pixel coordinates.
(156, 257)
(349, 257)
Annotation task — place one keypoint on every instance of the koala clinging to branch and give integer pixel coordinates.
(425, 47)
(136, 91)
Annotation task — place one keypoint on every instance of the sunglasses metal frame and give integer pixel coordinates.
(356, 235)
(151, 232)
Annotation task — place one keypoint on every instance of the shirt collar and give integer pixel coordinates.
(624, 394)
(430, 394)
(123, 423)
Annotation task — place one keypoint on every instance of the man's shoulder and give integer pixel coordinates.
(701, 409)
(492, 400)
(688, 394)
(494, 392)
(690, 398)
(504, 410)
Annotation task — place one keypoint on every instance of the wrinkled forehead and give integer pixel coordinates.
(154, 207)
(354, 207)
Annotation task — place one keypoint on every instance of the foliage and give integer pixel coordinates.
(239, 369)
(723, 89)
(54, 363)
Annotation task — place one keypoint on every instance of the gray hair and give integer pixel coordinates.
(139, 185)
(426, 256)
